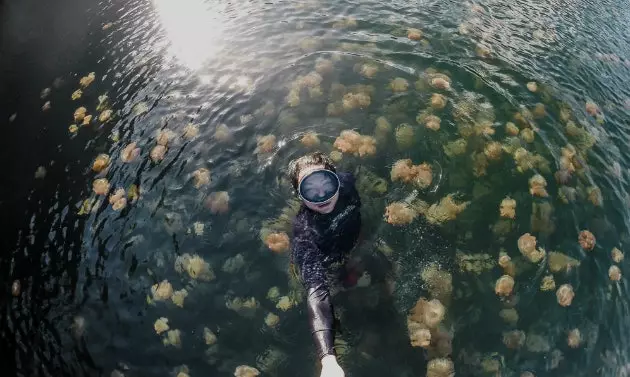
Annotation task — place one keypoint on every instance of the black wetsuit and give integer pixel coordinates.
(321, 243)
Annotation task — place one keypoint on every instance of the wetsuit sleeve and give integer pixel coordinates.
(308, 258)
(348, 182)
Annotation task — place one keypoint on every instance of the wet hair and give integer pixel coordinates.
(315, 158)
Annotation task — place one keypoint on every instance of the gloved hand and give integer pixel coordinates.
(330, 367)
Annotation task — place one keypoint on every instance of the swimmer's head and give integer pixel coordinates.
(314, 178)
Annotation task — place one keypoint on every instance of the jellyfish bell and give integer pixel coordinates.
(130, 152)
(272, 320)
(509, 315)
(218, 202)
(101, 162)
(432, 122)
(368, 70)
(161, 325)
(565, 295)
(324, 66)
(265, 144)
(190, 131)
(222, 134)
(399, 213)
(574, 338)
(277, 242)
(284, 303)
(87, 80)
(547, 283)
(16, 288)
(504, 285)
(511, 129)
(399, 85)
(414, 34)
(514, 339)
(404, 136)
(493, 150)
(614, 273)
(246, 371)
(532, 86)
(537, 186)
(527, 135)
(105, 116)
(419, 335)
(440, 367)
(563, 176)
(157, 153)
(76, 94)
(438, 101)
(162, 291)
(87, 120)
(617, 255)
(201, 177)
(508, 208)
(592, 108)
(587, 240)
(100, 186)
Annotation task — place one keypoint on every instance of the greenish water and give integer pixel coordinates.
(85, 275)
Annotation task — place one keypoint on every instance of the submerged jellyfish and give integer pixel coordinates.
(162, 291)
(617, 255)
(86, 120)
(419, 335)
(508, 208)
(432, 122)
(246, 371)
(100, 186)
(190, 131)
(352, 101)
(209, 337)
(511, 129)
(399, 85)
(161, 325)
(595, 196)
(527, 135)
(547, 283)
(79, 114)
(273, 294)
(399, 213)
(76, 94)
(480, 164)
(537, 186)
(586, 240)
(310, 140)
(438, 101)
(222, 134)
(350, 141)
(118, 200)
(439, 283)
(441, 367)
(414, 34)
(218, 202)
(272, 320)
(277, 242)
(101, 162)
(614, 273)
(130, 152)
(455, 148)
(404, 136)
(574, 338)
(527, 247)
(440, 81)
(105, 116)
(87, 80)
(514, 339)
(445, 210)
(493, 150)
(284, 303)
(565, 295)
(201, 177)
(16, 288)
(559, 262)
(173, 338)
(157, 153)
(323, 66)
(592, 108)
(509, 315)
(504, 286)
(265, 144)
(178, 297)
(532, 86)
(368, 70)
(430, 313)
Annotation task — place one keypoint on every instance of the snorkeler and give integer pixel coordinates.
(324, 232)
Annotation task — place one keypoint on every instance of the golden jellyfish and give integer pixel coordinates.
(16, 288)
(527, 135)
(277, 242)
(284, 303)
(265, 144)
(163, 137)
(527, 247)
(595, 196)
(532, 86)
(157, 153)
(456, 147)
(430, 313)
(504, 285)
(574, 338)
(179, 296)
(310, 140)
(350, 141)
(323, 66)
(76, 94)
(201, 177)
(493, 150)
(222, 133)
(399, 85)
(190, 131)
(539, 110)
(246, 371)
(272, 320)
(445, 210)
(399, 213)
(73, 128)
(559, 262)
(547, 283)
(505, 262)
(480, 164)
(218, 202)
(587, 240)
(438, 101)
(614, 273)
(293, 98)
(423, 175)
(87, 80)
(414, 34)
(511, 129)
(592, 108)
(368, 70)
(101, 162)
(86, 120)
(161, 325)
(382, 126)
(509, 315)
(173, 338)
(46, 106)
(404, 136)
(514, 339)
(100, 186)
(209, 337)
(403, 170)
(440, 82)
(537, 186)
(440, 367)
(118, 199)
(162, 291)
(195, 266)
(352, 101)
(439, 282)
(273, 294)
(130, 152)
(508, 208)
(432, 122)
(336, 156)
(617, 255)
(483, 51)
(565, 295)
(419, 335)
(105, 116)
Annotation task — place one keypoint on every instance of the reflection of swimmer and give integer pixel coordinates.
(324, 231)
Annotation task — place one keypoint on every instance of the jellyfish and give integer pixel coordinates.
(440, 367)
(480, 164)
(336, 156)
(399, 85)
(586, 239)
(162, 291)
(101, 162)
(438, 101)
(118, 199)
(504, 286)
(16, 288)
(567, 194)
(246, 371)
(323, 66)
(532, 86)
(537, 186)
(563, 176)
(368, 70)
(350, 141)
(87, 80)
(157, 153)
(209, 337)
(277, 242)
(514, 339)
(233, 264)
(614, 273)
(547, 283)
(161, 325)
(272, 320)
(455, 148)
(399, 213)
(423, 175)
(414, 34)
(440, 81)
(179, 296)
(130, 152)
(574, 338)
(565, 295)
(404, 136)
(559, 262)
(419, 335)
(78, 326)
(105, 116)
(617, 255)
(100, 186)
(201, 177)
(445, 210)
(310, 140)
(430, 313)
(190, 131)
(508, 208)
(506, 263)
(273, 294)
(511, 129)
(592, 108)
(493, 150)
(432, 122)
(86, 120)
(218, 202)
(284, 303)
(439, 283)
(383, 127)
(527, 247)
(265, 144)
(73, 128)
(76, 94)
(173, 338)
(222, 134)
(483, 51)
(595, 196)
(509, 315)
(527, 135)
(537, 343)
